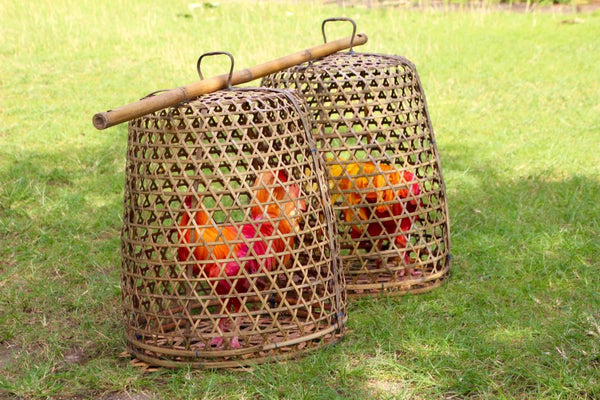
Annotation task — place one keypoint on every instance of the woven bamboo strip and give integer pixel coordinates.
(233, 352)
(223, 364)
(437, 277)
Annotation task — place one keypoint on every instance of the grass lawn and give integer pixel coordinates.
(515, 104)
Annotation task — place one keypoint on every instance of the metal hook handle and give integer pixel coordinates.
(154, 93)
(340, 19)
(170, 113)
(214, 53)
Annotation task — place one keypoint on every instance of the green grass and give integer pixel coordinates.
(515, 103)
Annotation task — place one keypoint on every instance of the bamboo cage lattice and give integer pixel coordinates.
(373, 130)
(228, 248)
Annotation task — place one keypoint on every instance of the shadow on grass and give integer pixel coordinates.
(60, 213)
(519, 314)
(518, 317)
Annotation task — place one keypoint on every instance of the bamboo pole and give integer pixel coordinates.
(175, 96)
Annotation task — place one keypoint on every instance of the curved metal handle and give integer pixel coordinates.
(154, 93)
(340, 19)
(215, 53)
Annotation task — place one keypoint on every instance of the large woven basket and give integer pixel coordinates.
(229, 254)
(372, 127)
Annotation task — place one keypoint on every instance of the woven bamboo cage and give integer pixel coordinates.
(228, 246)
(373, 129)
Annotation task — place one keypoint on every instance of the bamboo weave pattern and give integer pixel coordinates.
(372, 127)
(229, 180)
